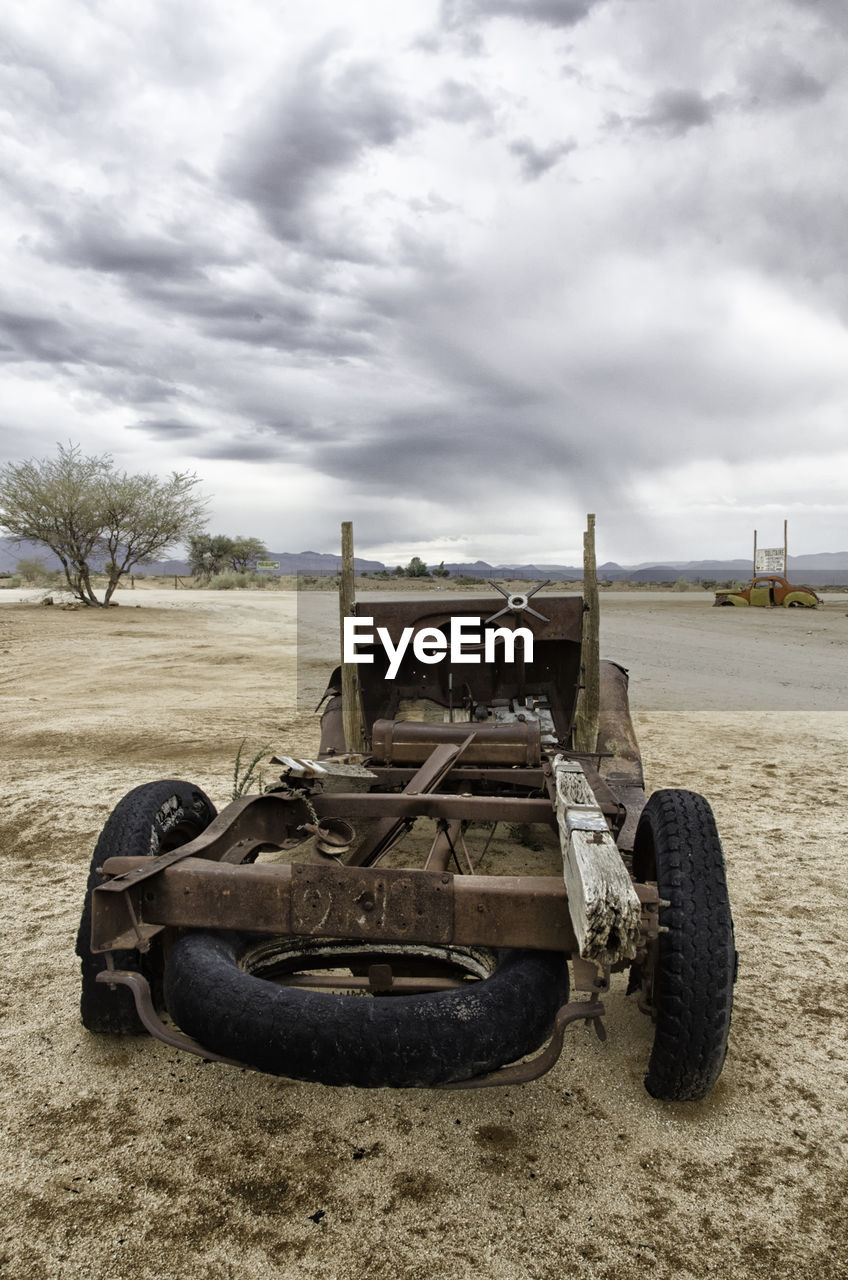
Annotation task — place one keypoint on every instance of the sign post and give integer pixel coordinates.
(772, 559)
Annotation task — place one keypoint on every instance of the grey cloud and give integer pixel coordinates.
(129, 387)
(431, 203)
(329, 112)
(834, 12)
(674, 112)
(263, 319)
(538, 160)
(451, 454)
(279, 440)
(167, 428)
(98, 240)
(456, 14)
(775, 79)
(51, 86)
(461, 103)
(39, 338)
(238, 449)
(261, 443)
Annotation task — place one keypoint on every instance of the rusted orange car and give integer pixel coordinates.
(768, 589)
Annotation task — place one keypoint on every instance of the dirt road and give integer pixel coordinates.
(123, 1160)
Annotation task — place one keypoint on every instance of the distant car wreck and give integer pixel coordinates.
(770, 589)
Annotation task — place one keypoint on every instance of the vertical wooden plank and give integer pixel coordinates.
(586, 728)
(605, 911)
(351, 715)
(785, 546)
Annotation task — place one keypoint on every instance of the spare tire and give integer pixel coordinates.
(213, 992)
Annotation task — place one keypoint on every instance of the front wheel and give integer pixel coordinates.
(150, 819)
(694, 963)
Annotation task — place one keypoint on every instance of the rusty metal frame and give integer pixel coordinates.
(415, 770)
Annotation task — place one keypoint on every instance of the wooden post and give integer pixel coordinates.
(351, 717)
(785, 546)
(588, 706)
(754, 567)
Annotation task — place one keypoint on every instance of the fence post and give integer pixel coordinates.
(351, 717)
(588, 706)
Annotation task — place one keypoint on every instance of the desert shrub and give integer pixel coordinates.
(229, 581)
(35, 573)
(9, 580)
(465, 581)
(682, 584)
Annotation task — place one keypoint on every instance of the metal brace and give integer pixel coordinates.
(522, 1072)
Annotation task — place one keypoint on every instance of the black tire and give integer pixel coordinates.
(150, 819)
(677, 844)
(399, 1041)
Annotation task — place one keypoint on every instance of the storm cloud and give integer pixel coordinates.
(552, 13)
(460, 272)
(322, 118)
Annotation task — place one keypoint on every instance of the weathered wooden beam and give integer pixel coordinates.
(605, 911)
(351, 714)
(586, 727)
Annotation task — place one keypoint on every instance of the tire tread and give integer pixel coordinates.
(697, 957)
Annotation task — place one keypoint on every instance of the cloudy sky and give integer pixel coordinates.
(460, 270)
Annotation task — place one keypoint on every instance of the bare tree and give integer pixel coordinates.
(89, 514)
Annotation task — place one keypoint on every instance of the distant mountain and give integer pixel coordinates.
(316, 562)
(826, 568)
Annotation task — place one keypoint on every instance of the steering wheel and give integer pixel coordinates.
(517, 603)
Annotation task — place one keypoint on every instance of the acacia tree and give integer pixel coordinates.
(89, 514)
(245, 552)
(417, 568)
(209, 553)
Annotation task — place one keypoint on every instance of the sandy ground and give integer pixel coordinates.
(123, 1160)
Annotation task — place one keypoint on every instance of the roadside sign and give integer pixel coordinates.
(769, 560)
(267, 564)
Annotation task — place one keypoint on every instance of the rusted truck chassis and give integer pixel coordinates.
(241, 936)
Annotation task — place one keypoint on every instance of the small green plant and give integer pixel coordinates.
(227, 581)
(248, 774)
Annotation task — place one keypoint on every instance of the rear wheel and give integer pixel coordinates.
(233, 994)
(693, 968)
(150, 819)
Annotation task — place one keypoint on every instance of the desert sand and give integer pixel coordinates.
(124, 1160)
